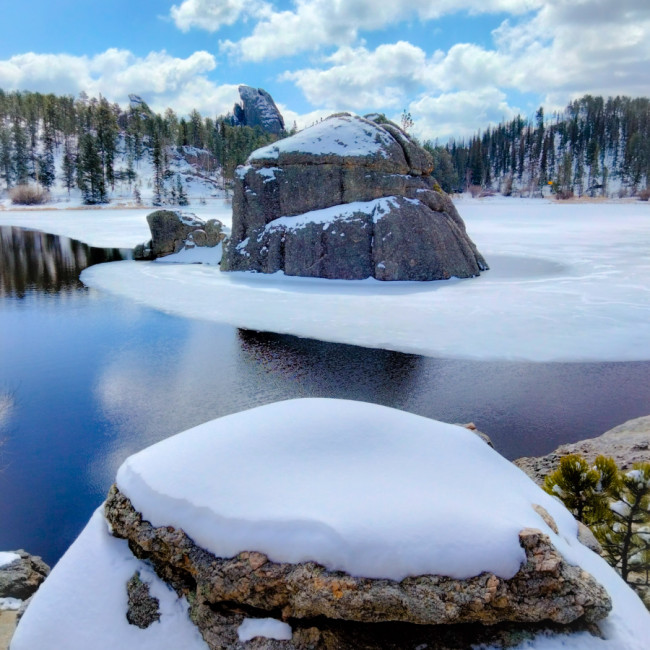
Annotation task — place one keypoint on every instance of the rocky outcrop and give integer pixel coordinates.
(173, 231)
(143, 608)
(627, 444)
(348, 198)
(257, 108)
(21, 577)
(545, 589)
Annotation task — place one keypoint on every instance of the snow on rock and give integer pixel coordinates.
(567, 283)
(11, 604)
(342, 135)
(332, 488)
(267, 628)
(7, 557)
(83, 603)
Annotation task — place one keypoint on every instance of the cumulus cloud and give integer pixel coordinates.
(211, 15)
(161, 79)
(314, 24)
(459, 114)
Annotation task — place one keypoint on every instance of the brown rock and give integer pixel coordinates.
(545, 588)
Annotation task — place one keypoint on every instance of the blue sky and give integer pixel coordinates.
(456, 65)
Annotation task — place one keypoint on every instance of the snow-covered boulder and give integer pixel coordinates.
(345, 522)
(348, 198)
(173, 231)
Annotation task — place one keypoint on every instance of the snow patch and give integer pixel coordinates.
(267, 628)
(7, 557)
(195, 255)
(344, 135)
(12, 604)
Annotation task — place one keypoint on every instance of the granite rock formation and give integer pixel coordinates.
(173, 231)
(628, 443)
(545, 590)
(22, 577)
(348, 198)
(257, 108)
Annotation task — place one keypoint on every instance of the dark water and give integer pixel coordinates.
(87, 379)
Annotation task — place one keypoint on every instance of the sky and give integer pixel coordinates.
(456, 66)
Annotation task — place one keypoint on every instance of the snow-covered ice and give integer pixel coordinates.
(568, 282)
(105, 227)
(267, 628)
(83, 602)
(10, 603)
(355, 486)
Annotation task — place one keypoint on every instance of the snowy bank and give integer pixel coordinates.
(352, 486)
(567, 283)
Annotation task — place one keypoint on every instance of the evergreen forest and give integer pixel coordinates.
(595, 147)
(92, 144)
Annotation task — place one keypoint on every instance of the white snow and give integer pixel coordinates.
(105, 227)
(343, 135)
(568, 282)
(196, 255)
(267, 628)
(356, 487)
(83, 602)
(352, 485)
(10, 603)
(7, 557)
(326, 216)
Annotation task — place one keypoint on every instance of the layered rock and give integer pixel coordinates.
(627, 444)
(257, 108)
(173, 231)
(348, 198)
(545, 589)
(22, 576)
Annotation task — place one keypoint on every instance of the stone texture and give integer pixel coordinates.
(421, 238)
(21, 578)
(172, 231)
(627, 444)
(257, 108)
(143, 608)
(545, 589)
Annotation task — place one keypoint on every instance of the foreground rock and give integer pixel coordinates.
(331, 525)
(173, 231)
(627, 444)
(21, 576)
(546, 588)
(348, 198)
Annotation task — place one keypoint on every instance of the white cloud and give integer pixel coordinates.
(161, 79)
(211, 15)
(314, 24)
(459, 114)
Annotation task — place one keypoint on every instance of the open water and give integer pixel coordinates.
(87, 379)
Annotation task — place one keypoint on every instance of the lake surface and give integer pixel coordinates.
(87, 379)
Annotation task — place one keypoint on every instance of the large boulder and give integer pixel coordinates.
(173, 231)
(21, 574)
(257, 108)
(348, 198)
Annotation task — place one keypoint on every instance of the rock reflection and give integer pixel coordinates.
(319, 369)
(36, 261)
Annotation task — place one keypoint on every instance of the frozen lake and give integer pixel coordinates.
(88, 377)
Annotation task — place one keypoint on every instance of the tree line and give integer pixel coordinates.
(97, 144)
(595, 146)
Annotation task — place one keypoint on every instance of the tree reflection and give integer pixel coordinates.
(32, 261)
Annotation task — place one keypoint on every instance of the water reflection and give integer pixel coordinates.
(36, 261)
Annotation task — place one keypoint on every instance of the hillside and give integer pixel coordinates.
(595, 147)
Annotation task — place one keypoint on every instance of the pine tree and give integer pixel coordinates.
(625, 537)
(158, 181)
(68, 167)
(90, 175)
(584, 490)
(20, 158)
(180, 192)
(6, 170)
